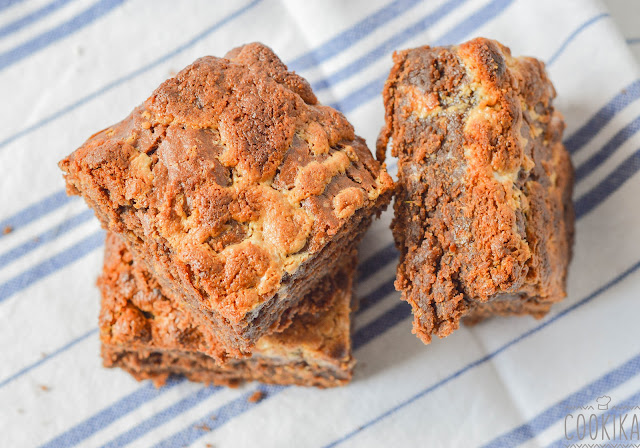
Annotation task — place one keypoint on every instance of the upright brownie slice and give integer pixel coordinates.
(483, 217)
(236, 188)
(152, 336)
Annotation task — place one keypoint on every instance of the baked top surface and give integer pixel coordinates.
(238, 171)
(135, 314)
(484, 206)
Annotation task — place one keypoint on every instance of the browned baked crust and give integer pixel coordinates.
(152, 336)
(483, 216)
(235, 186)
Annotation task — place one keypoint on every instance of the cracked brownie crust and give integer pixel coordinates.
(483, 216)
(152, 336)
(236, 187)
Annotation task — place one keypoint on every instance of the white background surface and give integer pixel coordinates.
(66, 74)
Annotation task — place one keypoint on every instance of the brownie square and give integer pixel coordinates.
(152, 336)
(483, 217)
(236, 187)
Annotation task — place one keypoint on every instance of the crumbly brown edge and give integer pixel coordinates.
(483, 215)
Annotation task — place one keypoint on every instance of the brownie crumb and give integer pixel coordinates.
(203, 427)
(44, 388)
(256, 397)
(7, 230)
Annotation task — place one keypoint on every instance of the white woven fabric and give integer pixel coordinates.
(69, 68)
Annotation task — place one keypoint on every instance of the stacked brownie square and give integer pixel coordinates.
(235, 203)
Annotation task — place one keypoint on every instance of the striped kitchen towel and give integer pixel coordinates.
(71, 67)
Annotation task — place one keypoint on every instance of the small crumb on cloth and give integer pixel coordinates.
(7, 230)
(256, 396)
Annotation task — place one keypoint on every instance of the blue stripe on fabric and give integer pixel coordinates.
(378, 260)
(219, 417)
(378, 294)
(4, 4)
(65, 110)
(63, 30)
(473, 22)
(348, 38)
(609, 185)
(592, 127)
(490, 356)
(580, 398)
(392, 317)
(360, 96)
(162, 417)
(633, 41)
(60, 350)
(627, 405)
(573, 35)
(45, 237)
(36, 15)
(110, 414)
(388, 46)
(36, 211)
(455, 34)
(51, 265)
(607, 150)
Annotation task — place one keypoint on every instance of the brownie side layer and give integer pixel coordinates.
(483, 216)
(152, 336)
(233, 183)
(159, 366)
